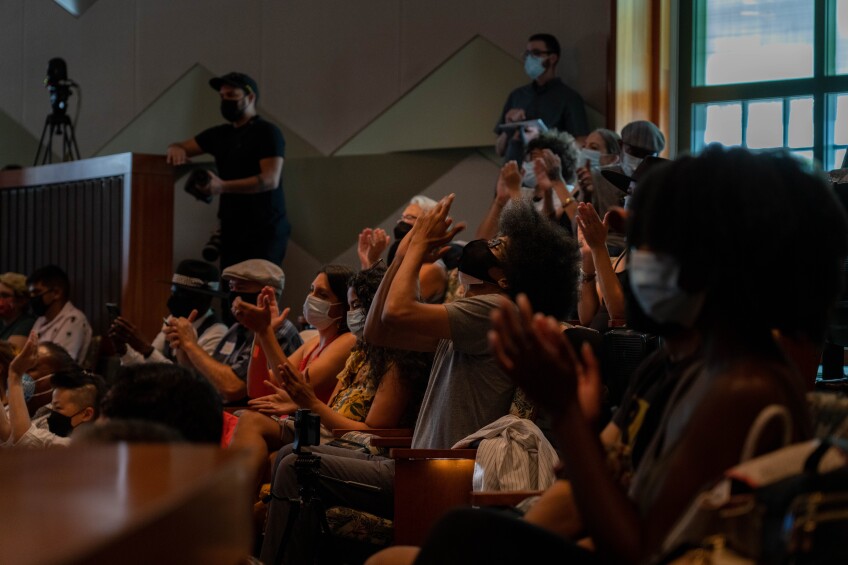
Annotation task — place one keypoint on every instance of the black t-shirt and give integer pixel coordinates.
(237, 153)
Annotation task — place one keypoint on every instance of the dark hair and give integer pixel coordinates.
(413, 367)
(551, 43)
(51, 276)
(562, 145)
(58, 358)
(86, 388)
(611, 139)
(171, 395)
(129, 430)
(541, 259)
(338, 277)
(759, 233)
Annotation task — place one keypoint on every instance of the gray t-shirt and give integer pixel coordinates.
(467, 389)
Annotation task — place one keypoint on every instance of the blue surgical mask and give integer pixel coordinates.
(533, 66)
(629, 163)
(356, 321)
(28, 384)
(529, 175)
(591, 155)
(653, 279)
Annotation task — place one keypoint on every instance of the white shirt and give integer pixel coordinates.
(208, 342)
(70, 329)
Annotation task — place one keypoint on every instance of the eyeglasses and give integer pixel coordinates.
(535, 53)
(409, 218)
(495, 242)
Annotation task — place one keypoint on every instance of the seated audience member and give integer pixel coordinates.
(58, 320)
(75, 402)
(684, 271)
(602, 279)
(226, 367)
(321, 359)
(50, 358)
(466, 389)
(433, 277)
(15, 319)
(639, 139)
(170, 395)
(548, 169)
(7, 353)
(193, 286)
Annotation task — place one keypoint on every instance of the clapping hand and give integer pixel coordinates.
(435, 228)
(509, 183)
(371, 244)
(593, 229)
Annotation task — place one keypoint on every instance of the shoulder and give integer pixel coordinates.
(344, 342)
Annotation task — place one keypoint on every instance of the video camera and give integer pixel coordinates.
(307, 429)
(58, 85)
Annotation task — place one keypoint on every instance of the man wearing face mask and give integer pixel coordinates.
(15, 320)
(75, 402)
(58, 320)
(249, 153)
(226, 367)
(546, 98)
(193, 286)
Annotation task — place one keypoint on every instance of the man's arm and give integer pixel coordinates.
(267, 179)
(508, 187)
(179, 152)
(18, 411)
(222, 376)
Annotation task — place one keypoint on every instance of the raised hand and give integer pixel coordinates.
(370, 246)
(585, 183)
(537, 356)
(509, 183)
(26, 359)
(297, 386)
(180, 331)
(593, 229)
(255, 318)
(548, 169)
(434, 228)
(122, 332)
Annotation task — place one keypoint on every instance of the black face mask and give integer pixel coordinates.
(180, 304)
(231, 111)
(39, 308)
(476, 260)
(60, 424)
(399, 231)
(249, 297)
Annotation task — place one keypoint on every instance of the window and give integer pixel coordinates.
(765, 74)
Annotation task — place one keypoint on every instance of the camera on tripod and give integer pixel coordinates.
(212, 249)
(58, 85)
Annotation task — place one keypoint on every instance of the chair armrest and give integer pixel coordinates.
(402, 453)
(381, 432)
(501, 498)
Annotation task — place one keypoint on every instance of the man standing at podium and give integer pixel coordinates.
(249, 153)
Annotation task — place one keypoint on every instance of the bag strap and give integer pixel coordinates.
(772, 412)
(811, 465)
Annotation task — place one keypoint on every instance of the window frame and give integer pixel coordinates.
(819, 86)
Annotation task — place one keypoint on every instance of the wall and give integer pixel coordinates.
(340, 77)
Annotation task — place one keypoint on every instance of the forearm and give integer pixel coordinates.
(588, 304)
(273, 352)
(568, 204)
(608, 281)
(403, 292)
(222, 377)
(488, 228)
(548, 206)
(5, 425)
(375, 331)
(18, 412)
(248, 185)
(501, 143)
(609, 517)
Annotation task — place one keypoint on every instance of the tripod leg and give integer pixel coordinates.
(41, 141)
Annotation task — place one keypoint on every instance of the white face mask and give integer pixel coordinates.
(591, 155)
(529, 177)
(317, 312)
(629, 163)
(356, 321)
(654, 280)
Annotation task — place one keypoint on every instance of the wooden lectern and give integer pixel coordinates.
(107, 221)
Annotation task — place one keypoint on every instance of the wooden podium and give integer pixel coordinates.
(107, 221)
(125, 503)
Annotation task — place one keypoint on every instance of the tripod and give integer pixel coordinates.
(307, 468)
(57, 124)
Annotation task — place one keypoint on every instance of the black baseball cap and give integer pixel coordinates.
(237, 80)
